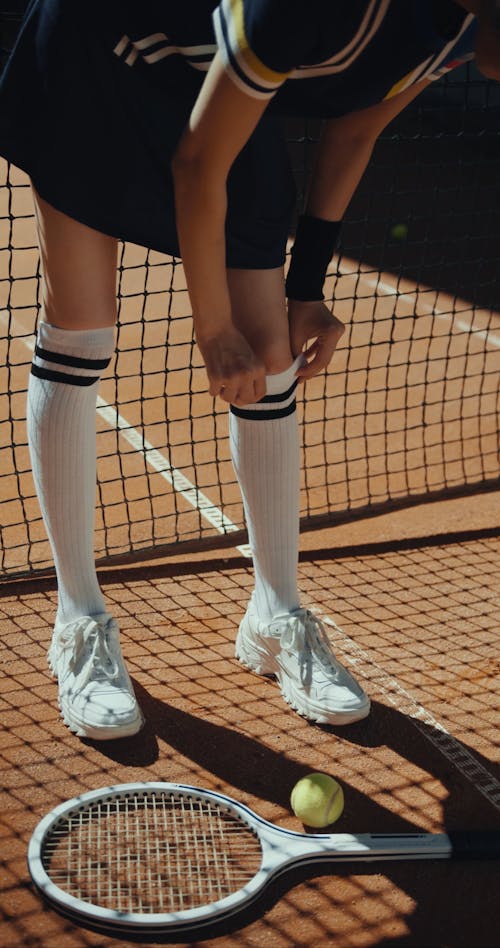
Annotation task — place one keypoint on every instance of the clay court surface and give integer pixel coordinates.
(418, 616)
(409, 598)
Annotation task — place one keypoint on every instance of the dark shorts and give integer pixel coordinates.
(97, 137)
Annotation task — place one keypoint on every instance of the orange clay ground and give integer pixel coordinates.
(415, 594)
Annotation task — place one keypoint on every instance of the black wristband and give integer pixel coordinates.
(314, 246)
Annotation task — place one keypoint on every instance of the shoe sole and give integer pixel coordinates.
(110, 732)
(272, 669)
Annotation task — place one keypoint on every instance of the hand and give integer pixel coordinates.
(234, 372)
(313, 320)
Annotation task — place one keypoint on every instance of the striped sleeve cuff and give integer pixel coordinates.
(245, 68)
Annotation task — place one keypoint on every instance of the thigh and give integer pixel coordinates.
(78, 268)
(259, 311)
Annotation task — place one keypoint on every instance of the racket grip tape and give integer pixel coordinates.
(475, 844)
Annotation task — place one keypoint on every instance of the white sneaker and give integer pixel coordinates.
(296, 650)
(96, 696)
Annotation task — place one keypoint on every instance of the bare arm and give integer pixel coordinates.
(345, 149)
(221, 122)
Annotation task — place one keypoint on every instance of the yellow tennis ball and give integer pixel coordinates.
(317, 800)
(399, 232)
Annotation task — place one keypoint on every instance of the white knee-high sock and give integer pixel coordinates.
(264, 442)
(62, 397)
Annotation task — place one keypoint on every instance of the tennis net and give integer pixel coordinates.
(407, 412)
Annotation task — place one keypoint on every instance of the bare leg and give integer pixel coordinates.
(259, 311)
(74, 345)
(79, 271)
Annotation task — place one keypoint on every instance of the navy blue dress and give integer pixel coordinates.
(95, 95)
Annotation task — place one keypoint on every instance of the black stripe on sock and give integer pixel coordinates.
(282, 396)
(264, 415)
(74, 361)
(51, 376)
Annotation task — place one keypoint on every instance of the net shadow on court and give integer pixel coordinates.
(417, 620)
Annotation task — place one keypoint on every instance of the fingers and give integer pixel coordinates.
(310, 369)
(234, 372)
(313, 321)
(320, 352)
(318, 358)
(244, 389)
(313, 366)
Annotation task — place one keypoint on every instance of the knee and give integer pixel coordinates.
(277, 362)
(71, 315)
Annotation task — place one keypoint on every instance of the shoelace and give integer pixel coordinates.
(93, 649)
(306, 636)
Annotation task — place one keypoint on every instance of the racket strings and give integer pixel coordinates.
(151, 853)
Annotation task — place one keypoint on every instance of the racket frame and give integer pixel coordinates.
(282, 849)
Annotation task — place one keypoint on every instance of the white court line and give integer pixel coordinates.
(425, 722)
(156, 460)
(159, 463)
(489, 336)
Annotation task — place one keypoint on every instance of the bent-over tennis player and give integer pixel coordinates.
(159, 123)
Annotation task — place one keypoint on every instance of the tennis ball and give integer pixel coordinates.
(317, 800)
(399, 232)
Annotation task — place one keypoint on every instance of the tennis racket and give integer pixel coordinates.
(164, 857)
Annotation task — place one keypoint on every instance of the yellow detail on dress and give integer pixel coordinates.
(247, 54)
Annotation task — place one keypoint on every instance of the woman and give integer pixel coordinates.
(158, 125)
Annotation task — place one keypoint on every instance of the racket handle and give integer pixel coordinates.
(475, 844)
